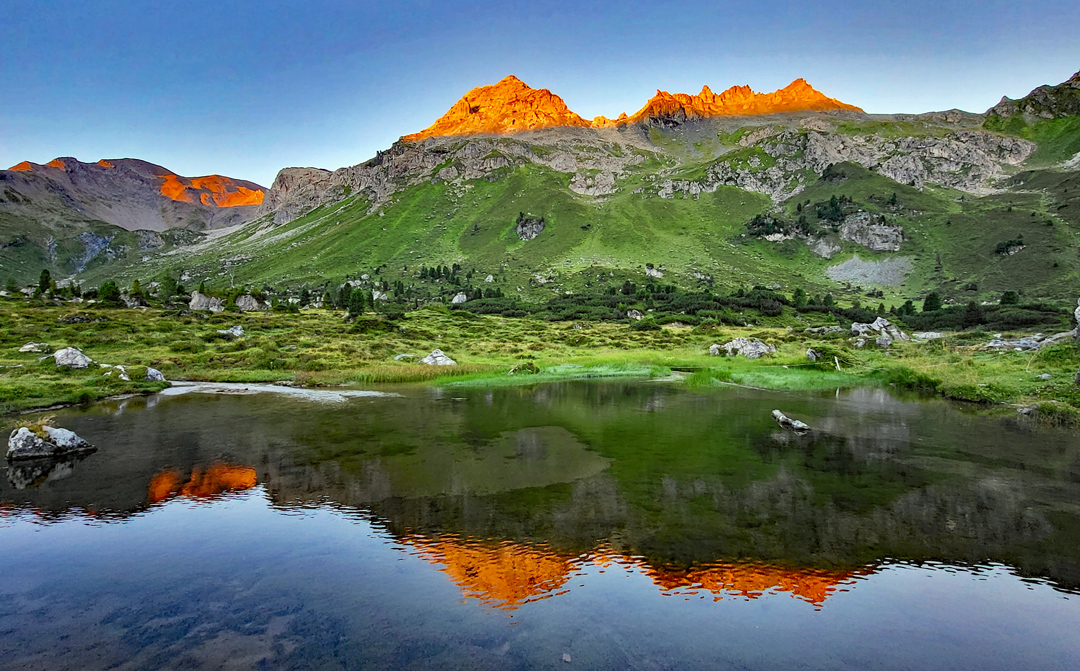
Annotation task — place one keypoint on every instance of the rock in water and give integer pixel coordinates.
(234, 332)
(751, 348)
(154, 375)
(72, 357)
(207, 303)
(437, 358)
(788, 423)
(26, 444)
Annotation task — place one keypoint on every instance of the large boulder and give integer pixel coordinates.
(26, 444)
(459, 298)
(249, 303)
(751, 348)
(72, 357)
(437, 358)
(814, 355)
(154, 375)
(200, 301)
(880, 329)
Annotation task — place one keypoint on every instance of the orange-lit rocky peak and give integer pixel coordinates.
(213, 190)
(739, 101)
(25, 166)
(57, 163)
(507, 107)
(105, 164)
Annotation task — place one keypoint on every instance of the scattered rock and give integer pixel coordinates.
(72, 357)
(459, 298)
(489, 279)
(1021, 345)
(1045, 376)
(652, 271)
(233, 333)
(399, 357)
(205, 303)
(635, 314)
(790, 424)
(927, 335)
(716, 350)
(123, 374)
(36, 348)
(377, 295)
(824, 330)
(814, 355)
(884, 341)
(249, 303)
(26, 444)
(132, 301)
(859, 343)
(1057, 338)
(751, 348)
(154, 375)
(528, 228)
(437, 358)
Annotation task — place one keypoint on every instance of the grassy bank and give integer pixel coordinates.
(321, 348)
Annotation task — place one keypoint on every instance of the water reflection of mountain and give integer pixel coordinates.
(683, 480)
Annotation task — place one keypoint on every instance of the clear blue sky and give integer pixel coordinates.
(246, 88)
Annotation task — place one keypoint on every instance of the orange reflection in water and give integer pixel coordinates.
(507, 575)
(215, 480)
(752, 580)
(503, 575)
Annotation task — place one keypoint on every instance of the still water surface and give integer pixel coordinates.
(579, 525)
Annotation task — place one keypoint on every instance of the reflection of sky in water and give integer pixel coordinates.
(238, 579)
(623, 525)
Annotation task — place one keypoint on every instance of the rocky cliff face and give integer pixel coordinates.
(1045, 102)
(128, 193)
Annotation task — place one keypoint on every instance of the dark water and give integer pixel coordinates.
(614, 525)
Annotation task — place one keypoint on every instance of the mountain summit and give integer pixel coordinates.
(509, 106)
(512, 106)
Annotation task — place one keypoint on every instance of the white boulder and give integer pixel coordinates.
(72, 357)
(233, 332)
(438, 358)
(751, 348)
(35, 347)
(205, 303)
(459, 298)
(154, 375)
(26, 444)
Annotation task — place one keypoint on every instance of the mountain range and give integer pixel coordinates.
(790, 188)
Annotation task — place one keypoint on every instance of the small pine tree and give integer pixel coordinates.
(109, 293)
(12, 287)
(356, 302)
(1010, 298)
(932, 302)
(973, 315)
(45, 282)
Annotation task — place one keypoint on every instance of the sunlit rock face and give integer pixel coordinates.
(507, 107)
(216, 480)
(212, 190)
(511, 106)
(738, 101)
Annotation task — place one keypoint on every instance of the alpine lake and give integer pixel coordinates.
(586, 524)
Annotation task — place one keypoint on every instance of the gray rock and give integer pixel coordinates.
(72, 357)
(859, 343)
(871, 232)
(399, 357)
(1021, 345)
(489, 279)
(249, 303)
(635, 314)
(790, 424)
(1045, 376)
(123, 374)
(715, 350)
(36, 348)
(438, 358)
(884, 341)
(825, 330)
(377, 295)
(1057, 338)
(1076, 380)
(459, 298)
(814, 355)
(25, 444)
(751, 348)
(205, 303)
(927, 335)
(233, 332)
(529, 227)
(879, 327)
(154, 375)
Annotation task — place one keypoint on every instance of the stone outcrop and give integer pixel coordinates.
(438, 358)
(882, 330)
(71, 357)
(205, 303)
(527, 228)
(1045, 102)
(249, 303)
(36, 348)
(872, 232)
(47, 441)
(751, 348)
